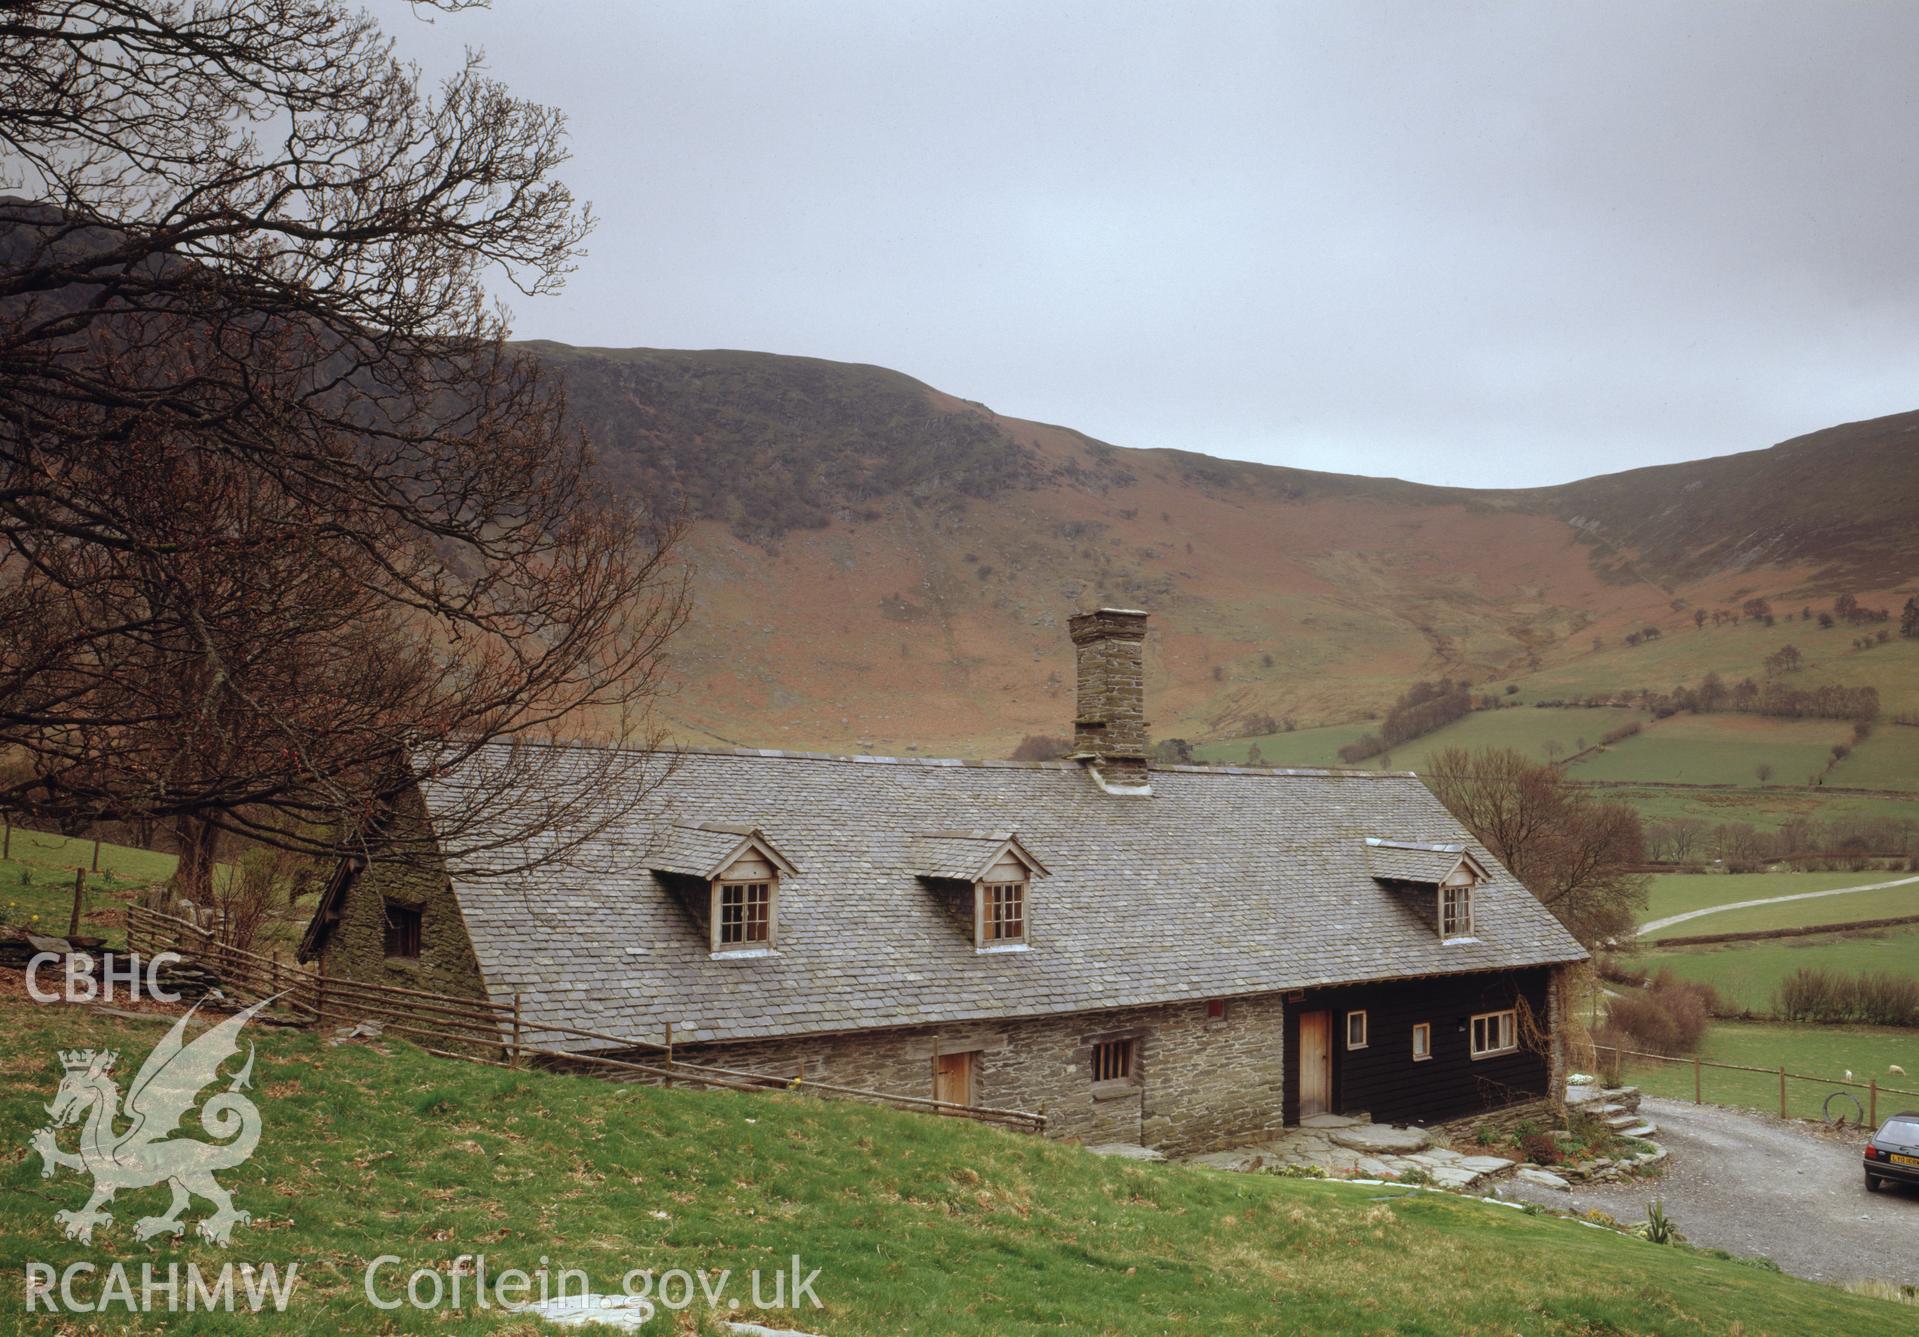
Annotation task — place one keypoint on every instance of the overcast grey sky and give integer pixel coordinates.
(1485, 244)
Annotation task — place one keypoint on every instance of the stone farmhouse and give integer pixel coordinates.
(1181, 957)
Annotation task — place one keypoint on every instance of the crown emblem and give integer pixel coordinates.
(94, 1062)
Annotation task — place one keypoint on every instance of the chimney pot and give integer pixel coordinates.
(1110, 728)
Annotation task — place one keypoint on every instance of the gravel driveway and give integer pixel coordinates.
(1756, 1185)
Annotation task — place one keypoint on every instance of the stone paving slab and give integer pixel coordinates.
(1378, 1138)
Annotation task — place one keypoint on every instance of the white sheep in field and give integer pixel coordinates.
(1894, 1067)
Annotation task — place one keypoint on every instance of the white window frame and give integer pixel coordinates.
(1365, 1034)
(1453, 926)
(716, 918)
(1422, 1030)
(982, 916)
(1503, 1028)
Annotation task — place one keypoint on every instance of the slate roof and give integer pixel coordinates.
(965, 855)
(1226, 881)
(1413, 861)
(704, 851)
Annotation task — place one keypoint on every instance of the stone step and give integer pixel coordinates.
(1627, 1097)
(1643, 1129)
(1622, 1120)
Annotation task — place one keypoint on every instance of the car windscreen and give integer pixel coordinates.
(1903, 1131)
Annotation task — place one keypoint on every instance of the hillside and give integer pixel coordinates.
(881, 566)
(954, 1228)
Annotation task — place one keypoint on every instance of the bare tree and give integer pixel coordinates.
(1576, 854)
(285, 524)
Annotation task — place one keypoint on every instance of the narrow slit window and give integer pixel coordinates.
(1456, 912)
(1355, 1030)
(746, 918)
(1114, 1061)
(1495, 1033)
(1003, 913)
(1422, 1041)
(402, 930)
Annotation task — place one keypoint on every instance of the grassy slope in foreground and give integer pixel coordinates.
(916, 1224)
(1809, 1051)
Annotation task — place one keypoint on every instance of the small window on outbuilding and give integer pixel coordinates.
(1356, 1030)
(1456, 911)
(402, 929)
(1116, 1061)
(1216, 1011)
(1422, 1041)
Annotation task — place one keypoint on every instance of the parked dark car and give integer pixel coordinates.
(1893, 1152)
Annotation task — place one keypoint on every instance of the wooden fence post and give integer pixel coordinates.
(6, 849)
(669, 1044)
(96, 854)
(516, 1028)
(1782, 1090)
(79, 899)
(319, 992)
(1872, 1105)
(1698, 1081)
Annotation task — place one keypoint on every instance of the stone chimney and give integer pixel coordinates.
(1110, 731)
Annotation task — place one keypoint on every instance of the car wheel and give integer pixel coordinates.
(1872, 1182)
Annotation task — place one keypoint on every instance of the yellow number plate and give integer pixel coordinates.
(1897, 1159)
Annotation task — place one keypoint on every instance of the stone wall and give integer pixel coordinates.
(356, 947)
(1202, 1084)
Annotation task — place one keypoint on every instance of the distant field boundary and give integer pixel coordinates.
(1760, 934)
(1742, 789)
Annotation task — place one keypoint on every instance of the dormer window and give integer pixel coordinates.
(983, 878)
(1002, 913)
(745, 914)
(1437, 880)
(728, 879)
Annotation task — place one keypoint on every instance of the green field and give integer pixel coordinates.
(1735, 652)
(1886, 903)
(1889, 759)
(1542, 734)
(1747, 973)
(1810, 1051)
(1765, 809)
(1676, 893)
(36, 883)
(914, 1224)
(1718, 750)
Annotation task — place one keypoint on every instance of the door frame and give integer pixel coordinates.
(1328, 1049)
(968, 1064)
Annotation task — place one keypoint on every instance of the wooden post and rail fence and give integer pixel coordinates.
(484, 1031)
(1871, 1087)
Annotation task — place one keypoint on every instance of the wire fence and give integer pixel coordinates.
(1792, 1095)
(499, 1033)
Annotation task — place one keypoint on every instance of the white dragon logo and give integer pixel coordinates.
(144, 1153)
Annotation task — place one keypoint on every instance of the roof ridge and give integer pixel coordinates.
(985, 763)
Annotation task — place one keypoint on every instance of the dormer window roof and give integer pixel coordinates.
(984, 877)
(1450, 871)
(1416, 861)
(728, 878)
(707, 850)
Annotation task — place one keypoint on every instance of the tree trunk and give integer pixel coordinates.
(198, 841)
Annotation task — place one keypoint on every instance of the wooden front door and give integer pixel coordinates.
(1315, 1063)
(953, 1077)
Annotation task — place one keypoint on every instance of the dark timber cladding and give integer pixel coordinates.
(1383, 1078)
